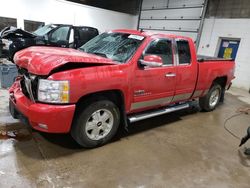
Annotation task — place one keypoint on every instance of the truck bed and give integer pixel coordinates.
(202, 58)
(212, 68)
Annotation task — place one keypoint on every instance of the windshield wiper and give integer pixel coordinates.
(99, 54)
(96, 53)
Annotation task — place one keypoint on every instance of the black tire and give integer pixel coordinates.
(78, 130)
(204, 102)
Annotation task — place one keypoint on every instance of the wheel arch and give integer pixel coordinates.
(222, 81)
(116, 96)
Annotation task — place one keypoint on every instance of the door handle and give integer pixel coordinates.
(170, 74)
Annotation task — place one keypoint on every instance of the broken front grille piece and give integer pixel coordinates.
(29, 84)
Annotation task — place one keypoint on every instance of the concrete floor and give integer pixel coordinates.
(184, 149)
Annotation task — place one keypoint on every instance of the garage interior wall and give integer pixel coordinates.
(229, 19)
(60, 11)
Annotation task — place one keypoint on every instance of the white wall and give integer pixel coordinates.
(213, 29)
(60, 11)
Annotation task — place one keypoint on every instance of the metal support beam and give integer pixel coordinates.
(204, 9)
(139, 17)
(167, 3)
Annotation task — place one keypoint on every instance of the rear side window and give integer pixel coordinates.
(86, 33)
(162, 48)
(183, 52)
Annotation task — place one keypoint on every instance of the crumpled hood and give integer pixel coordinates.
(13, 32)
(42, 60)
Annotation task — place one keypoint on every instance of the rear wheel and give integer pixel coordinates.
(96, 124)
(211, 99)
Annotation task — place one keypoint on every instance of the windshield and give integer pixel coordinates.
(116, 46)
(44, 30)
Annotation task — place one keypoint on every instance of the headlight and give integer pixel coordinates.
(53, 91)
(6, 43)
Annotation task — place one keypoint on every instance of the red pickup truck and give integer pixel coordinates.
(117, 78)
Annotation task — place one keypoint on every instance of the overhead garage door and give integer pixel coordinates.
(181, 17)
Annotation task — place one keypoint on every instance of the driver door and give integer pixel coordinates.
(155, 86)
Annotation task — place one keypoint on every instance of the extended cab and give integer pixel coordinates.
(118, 77)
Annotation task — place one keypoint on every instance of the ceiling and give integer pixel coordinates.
(126, 6)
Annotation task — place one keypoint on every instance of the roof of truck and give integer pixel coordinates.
(148, 33)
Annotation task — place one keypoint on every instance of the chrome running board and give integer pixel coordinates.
(146, 115)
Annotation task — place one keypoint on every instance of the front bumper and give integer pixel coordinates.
(43, 117)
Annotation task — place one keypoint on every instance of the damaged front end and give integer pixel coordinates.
(26, 105)
(29, 84)
(13, 39)
(42, 116)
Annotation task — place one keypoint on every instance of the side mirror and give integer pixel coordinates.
(151, 61)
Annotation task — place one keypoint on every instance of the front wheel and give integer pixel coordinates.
(96, 124)
(211, 99)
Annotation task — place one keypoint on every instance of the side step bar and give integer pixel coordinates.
(146, 115)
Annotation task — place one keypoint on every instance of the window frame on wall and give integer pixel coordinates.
(34, 25)
(4, 23)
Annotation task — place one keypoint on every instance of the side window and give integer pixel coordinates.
(183, 52)
(61, 34)
(162, 48)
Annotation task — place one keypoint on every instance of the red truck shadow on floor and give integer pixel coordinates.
(66, 141)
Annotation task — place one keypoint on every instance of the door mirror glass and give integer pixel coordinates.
(151, 61)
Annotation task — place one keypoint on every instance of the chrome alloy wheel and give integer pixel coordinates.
(214, 98)
(99, 124)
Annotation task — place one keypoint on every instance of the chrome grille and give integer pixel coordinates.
(24, 90)
(29, 84)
